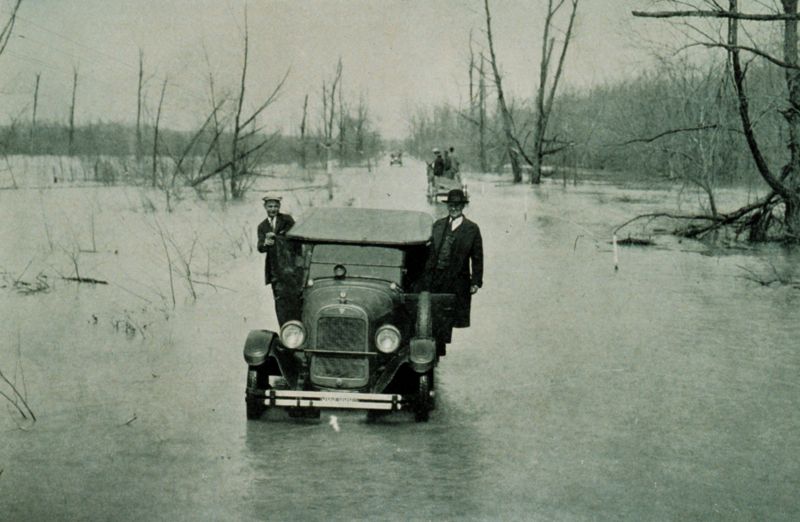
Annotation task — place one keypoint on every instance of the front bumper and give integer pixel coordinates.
(328, 399)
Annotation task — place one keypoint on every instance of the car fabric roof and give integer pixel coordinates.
(363, 225)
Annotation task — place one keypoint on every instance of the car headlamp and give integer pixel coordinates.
(293, 334)
(387, 338)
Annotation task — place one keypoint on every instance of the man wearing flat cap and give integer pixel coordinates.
(454, 265)
(276, 224)
(438, 163)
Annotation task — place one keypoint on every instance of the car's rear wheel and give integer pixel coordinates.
(257, 378)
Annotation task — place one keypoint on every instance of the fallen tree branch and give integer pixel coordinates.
(712, 222)
(717, 14)
(664, 215)
(19, 396)
(85, 280)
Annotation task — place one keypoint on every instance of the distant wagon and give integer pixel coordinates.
(396, 158)
(362, 338)
(439, 186)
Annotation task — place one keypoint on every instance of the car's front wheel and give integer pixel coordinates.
(425, 397)
(257, 379)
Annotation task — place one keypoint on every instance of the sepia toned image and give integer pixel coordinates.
(399, 260)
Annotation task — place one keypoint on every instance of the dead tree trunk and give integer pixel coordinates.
(482, 116)
(790, 192)
(342, 129)
(215, 142)
(155, 132)
(508, 123)
(71, 132)
(8, 28)
(303, 133)
(32, 137)
(139, 108)
(236, 167)
(544, 98)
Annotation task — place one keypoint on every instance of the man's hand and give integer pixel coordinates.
(270, 239)
(473, 289)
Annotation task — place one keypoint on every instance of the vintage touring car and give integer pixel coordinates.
(361, 336)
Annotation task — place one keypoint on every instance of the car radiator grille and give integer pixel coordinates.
(340, 334)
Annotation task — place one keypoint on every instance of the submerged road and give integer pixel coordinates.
(665, 391)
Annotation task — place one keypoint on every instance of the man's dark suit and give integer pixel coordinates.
(283, 222)
(463, 269)
(284, 297)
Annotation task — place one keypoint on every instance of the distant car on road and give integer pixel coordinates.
(362, 338)
(396, 158)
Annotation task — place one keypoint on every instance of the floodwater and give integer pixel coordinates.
(666, 390)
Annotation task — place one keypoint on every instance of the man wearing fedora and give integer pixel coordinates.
(454, 265)
(276, 224)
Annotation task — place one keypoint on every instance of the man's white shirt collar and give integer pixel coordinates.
(455, 223)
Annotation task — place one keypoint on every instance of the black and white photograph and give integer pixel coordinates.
(399, 260)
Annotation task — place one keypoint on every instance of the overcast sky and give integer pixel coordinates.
(398, 53)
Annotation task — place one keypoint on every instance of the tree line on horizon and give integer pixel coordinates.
(731, 118)
(677, 121)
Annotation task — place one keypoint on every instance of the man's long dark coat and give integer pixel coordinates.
(438, 166)
(283, 222)
(464, 269)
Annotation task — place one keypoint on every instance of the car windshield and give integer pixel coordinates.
(374, 262)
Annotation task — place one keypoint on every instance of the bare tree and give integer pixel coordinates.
(544, 97)
(342, 127)
(71, 135)
(758, 218)
(303, 122)
(8, 28)
(178, 171)
(243, 152)
(329, 104)
(508, 122)
(139, 106)
(482, 115)
(155, 132)
(32, 136)
(247, 144)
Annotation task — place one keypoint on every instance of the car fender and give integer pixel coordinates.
(257, 346)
